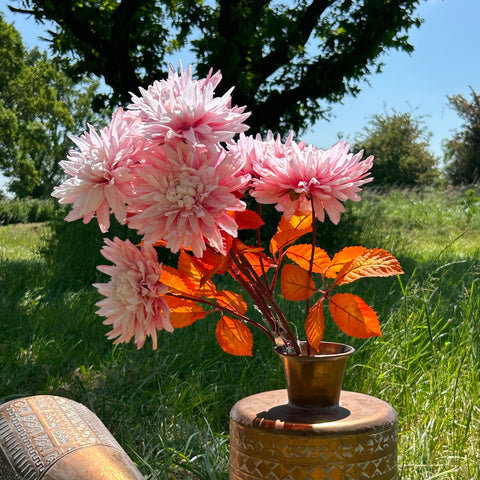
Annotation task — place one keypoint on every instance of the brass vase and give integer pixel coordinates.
(313, 430)
(314, 379)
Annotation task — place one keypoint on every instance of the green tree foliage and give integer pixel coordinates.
(462, 152)
(287, 60)
(39, 108)
(400, 144)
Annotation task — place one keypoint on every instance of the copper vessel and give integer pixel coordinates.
(53, 438)
(271, 439)
(314, 380)
(313, 430)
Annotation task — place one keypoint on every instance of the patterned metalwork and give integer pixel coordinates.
(269, 440)
(53, 438)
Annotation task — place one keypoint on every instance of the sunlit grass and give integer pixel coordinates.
(22, 242)
(169, 408)
(425, 223)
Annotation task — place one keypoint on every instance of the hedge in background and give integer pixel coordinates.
(28, 210)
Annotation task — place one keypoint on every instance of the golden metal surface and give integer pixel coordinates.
(315, 380)
(271, 439)
(53, 438)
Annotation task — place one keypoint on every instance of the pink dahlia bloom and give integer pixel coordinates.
(181, 107)
(254, 150)
(306, 174)
(183, 193)
(99, 172)
(134, 305)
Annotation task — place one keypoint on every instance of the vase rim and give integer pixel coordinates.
(327, 350)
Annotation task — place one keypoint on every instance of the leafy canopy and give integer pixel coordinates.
(39, 108)
(287, 61)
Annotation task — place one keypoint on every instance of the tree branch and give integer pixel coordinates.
(329, 77)
(284, 52)
(81, 29)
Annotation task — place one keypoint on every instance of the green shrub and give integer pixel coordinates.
(28, 210)
(400, 144)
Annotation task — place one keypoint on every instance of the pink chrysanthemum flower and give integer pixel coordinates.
(134, 305)
(99, 172)
(183, 195)
(181, 107)
(326, 177)
(253, 150)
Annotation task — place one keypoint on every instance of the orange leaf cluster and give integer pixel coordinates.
(351, 314)
(191, 283)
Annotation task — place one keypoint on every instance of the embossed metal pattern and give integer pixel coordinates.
(43, 437)
(274, 444)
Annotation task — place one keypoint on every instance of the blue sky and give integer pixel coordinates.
(446, 61)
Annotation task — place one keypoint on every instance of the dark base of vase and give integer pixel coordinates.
(271, 439)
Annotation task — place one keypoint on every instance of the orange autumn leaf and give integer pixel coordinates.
(259, 262)
(314, 325)
(301, 253)
(247, 219)
(234, 336)
(184, 312)
(187, 268)
(353, 316)
(231, 300)
(240, 247)
(341, 258)
(212, 263)
(196, 273)
(176, 282)
(290, 230)
(374, 262)
(296, 283)
(212, 260)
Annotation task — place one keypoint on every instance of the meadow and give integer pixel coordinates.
(169, 408)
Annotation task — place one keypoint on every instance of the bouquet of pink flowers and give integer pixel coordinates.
(176, 166)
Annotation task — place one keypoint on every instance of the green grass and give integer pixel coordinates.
(169, 408)
(425, 223)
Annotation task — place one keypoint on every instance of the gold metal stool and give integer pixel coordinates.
(271, 440)
(53, 438)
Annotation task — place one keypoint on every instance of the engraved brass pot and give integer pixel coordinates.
(314, 379)
(313, 430)
(45, 437)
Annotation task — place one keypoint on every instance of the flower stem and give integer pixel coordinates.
(241, 317)
(254, 282)
(312, 255)
(312, 259)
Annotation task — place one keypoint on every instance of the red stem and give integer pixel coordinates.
(312, 258)
(241, 317)
(267, 300)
